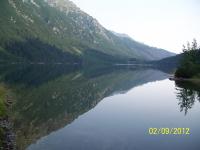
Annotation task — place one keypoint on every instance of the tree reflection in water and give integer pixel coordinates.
(187, 94)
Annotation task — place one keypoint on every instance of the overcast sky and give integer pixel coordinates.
(166, 24)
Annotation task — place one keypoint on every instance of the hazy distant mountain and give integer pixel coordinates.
(58, 31)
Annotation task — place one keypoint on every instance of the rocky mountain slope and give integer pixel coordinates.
(58, 31)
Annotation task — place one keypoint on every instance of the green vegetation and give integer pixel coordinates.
(62, 33)
(2, 113)
(6, 134)
(35, 51)
(190, 63)
(2, 101)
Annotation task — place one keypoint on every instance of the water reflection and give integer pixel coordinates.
(187, 93)
(48, 98)
(122, 121)
(33, 75)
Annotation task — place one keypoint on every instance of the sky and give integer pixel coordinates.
(166, 24)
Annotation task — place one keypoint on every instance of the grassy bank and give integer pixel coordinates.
(7, 137)
(194, 80)
(3, 111)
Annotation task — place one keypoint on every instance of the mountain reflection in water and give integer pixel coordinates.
(49, 97)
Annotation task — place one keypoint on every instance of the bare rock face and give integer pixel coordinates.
(84, 21)
(63, 5)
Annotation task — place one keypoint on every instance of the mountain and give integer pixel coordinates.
(143, 51)
(59, 31)
(168, 65)
(171, 62)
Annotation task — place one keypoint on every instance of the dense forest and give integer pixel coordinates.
(34, 50)
(190, 63)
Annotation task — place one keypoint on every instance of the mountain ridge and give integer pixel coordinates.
(61, 24)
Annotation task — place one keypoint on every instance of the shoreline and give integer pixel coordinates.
(194, 80)
(7, 136)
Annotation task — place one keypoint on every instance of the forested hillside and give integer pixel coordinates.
(58, 31)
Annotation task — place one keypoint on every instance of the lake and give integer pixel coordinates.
(73, 108)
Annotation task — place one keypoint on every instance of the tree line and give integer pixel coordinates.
(190, 63)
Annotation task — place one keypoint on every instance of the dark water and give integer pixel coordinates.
(71, 108)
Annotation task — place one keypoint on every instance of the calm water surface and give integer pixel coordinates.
(105, 110)
(122, 121)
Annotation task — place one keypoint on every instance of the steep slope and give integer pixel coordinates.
(143, 51)
(57, 30)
